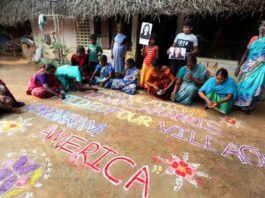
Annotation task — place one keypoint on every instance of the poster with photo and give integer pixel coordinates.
(145, 33)
(177, 53)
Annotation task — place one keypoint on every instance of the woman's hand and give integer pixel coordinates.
(168, 51)
(102, 84)
(61, 96)
(164, 91)
(151, 85)
(209, 103)
(190, 77)
(216, 104)
(172, 97)
(90, 82)
(142, 51)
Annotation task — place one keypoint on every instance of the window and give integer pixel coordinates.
(82, 32)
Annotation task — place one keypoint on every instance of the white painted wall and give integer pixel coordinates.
(67, 34)
(214, 64)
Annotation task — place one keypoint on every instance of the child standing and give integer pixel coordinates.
(150, 53)
(187, 43)
(94, 50)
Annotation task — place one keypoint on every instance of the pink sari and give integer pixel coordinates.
(35, 88)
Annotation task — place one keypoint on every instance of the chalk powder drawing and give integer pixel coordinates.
(183, 170)
(230, 122)
(65, 117)
(11, 126)
(180, 133)
(157, 169)
(23, 170)
(69, 143)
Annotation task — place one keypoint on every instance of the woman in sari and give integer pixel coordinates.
(130, 81)
(71, 78)
(219, 92)
(251, 75)
(103, 74)
(159, 80)
(189, 79)
(44, 83)
(118, 50)
(8, 103)
(81, 59)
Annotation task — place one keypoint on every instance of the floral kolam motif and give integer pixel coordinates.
(182, 170)
(22, 171)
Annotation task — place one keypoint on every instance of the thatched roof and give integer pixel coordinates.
(13, 11)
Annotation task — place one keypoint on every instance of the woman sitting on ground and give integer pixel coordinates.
(159, 80)
(219, 92)
(8, 102)
(130, 81)
(71, 78)
(44, 83)
(188, 80)
(103, 74)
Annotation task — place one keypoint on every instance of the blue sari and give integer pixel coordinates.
(188, 89)
(251, 81)
(129, 83)
(216, 92)
(104, 72)
(119, 51)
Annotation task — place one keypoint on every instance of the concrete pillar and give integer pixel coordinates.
(135, 24)
(105, 34)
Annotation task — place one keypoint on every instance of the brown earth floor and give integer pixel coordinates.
(180, 151)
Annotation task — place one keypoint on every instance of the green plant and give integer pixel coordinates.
(63, 50)
(55, 62)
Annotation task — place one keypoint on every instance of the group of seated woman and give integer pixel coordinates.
(193, 80)
(51, 81)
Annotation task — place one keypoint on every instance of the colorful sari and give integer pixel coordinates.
(129, 83)
(160, 79)
(68, 76)
(35, 88)
(251, 80)
(188, 89)
(216, 92)
(7, 98)
(119, 51)
(83, 64)
(104, 72)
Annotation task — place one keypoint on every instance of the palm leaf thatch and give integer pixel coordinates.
(14, 11)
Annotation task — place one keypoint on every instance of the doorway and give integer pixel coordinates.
(164, 27)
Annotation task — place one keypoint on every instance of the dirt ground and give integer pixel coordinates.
(109, 144)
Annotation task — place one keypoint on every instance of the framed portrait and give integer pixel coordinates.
(177, 53)
(145, 33)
